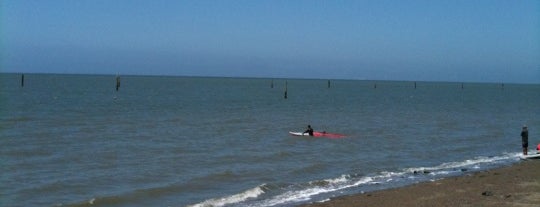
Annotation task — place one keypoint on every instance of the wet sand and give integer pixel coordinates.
(516, 185)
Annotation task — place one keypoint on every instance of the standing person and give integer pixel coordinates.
(525, 139)
(309, 130)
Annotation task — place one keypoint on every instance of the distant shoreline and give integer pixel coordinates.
(269, 78)
(518, 184)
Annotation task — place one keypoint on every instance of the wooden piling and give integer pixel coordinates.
(414, 84)
(272, 84)
(285, 96)
(117, 82)
(328, 83)
(22, 80)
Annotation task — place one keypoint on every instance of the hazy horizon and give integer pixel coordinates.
(268, 78)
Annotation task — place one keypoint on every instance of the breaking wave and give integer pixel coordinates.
(237, 198)
(320, 190)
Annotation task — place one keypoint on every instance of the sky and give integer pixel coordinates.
(462, 41)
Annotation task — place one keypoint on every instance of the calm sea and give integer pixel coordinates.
(73, 140)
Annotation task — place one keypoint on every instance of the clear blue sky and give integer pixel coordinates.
(486, 41)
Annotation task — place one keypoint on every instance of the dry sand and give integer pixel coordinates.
(516, 185)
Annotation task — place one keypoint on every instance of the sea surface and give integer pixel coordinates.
(73, 140)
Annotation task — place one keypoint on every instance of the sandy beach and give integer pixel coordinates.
(516, 185)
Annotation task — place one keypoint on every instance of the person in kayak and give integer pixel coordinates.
(309, 130)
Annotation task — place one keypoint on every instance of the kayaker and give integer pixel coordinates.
(309, 130)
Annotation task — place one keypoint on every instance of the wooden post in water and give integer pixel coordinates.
(414, 84)
(328, 83)
(375, 85)
(272, 84)
(117, 82)
(22, 81)
(285, 90)
(461, 86)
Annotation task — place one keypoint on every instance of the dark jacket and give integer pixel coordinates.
(310, 131)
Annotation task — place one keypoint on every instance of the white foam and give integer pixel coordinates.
(364, 180)
(473, 163)
(324, 200)
(336, 184)
(295, 196)
(341, 179)
(387, 174)
(347, 181)
(237, 198)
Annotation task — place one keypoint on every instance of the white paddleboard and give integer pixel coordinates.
(531, 156)
(299, 134)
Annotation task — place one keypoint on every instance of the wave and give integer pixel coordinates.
(474, 163)
(217, 202)
(294, 194)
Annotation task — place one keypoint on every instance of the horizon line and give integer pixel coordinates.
(262, 77)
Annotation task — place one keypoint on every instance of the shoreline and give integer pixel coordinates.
(514, 185)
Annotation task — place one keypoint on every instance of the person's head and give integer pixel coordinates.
(524, 127)
(308, 126)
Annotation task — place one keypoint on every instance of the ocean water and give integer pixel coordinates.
(72, 140)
